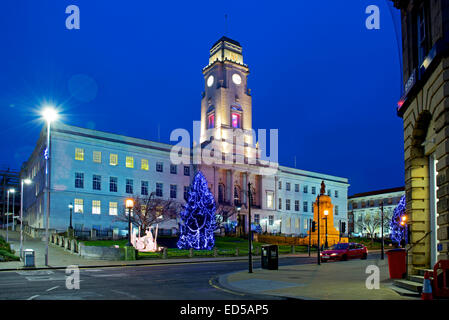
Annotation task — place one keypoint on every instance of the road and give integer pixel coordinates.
(158, 282)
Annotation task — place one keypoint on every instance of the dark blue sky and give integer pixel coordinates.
(317, 74)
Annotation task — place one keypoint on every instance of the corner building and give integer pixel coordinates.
(96, 171)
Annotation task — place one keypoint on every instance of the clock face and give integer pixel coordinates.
(236, 79)
(210, 81)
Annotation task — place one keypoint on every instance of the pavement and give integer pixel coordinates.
(60, 258)
(334, 280)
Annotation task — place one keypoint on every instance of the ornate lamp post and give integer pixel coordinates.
(129, 204)
(326, 213)
(7, 212)
(70, 208)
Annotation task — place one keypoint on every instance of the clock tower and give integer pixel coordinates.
(226, 101)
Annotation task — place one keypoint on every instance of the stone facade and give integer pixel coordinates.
(424, 108)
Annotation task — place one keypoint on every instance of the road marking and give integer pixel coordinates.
(226, 290)
(93, 270)
(109, 275)
(35, 273)
(52, 288)
(45, 278)
(126, 294)
(32, 297)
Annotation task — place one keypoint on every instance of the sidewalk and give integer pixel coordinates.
(60, 259)
(340, 280)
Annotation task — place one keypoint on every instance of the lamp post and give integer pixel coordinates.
(50, 115)
(250, 233)
(13, 205)
(7, 213)
(70, 208)
(318, 220)
(22, 182)
(326, 213)
(129, 203)
(382, 229)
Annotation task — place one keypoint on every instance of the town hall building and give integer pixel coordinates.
(96, 171)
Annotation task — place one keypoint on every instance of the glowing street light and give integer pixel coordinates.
(7, 212)
(326, 213)
(129, 204)
(22, 182)
(49, 114)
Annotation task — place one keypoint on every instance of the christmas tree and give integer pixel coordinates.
(198, 217)
(398, 232)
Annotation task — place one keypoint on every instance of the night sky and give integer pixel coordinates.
(317, 74)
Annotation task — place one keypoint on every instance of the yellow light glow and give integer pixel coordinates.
(129, 203)
(326, 212)
(27, 181)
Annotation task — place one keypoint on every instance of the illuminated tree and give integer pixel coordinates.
(398, 232)
(198, 221)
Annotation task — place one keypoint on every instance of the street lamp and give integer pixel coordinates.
(129, 204)
(71, 208)
(326, 213)
(49, 114)
(250, 232)
(22, 182)
(7, 212)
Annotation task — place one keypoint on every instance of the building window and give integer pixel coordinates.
(129, 162)
(113, 159)
(257, 219)
(287, 204)
(210, 121)
(173, 169)
(221, 197)
(97, 156)
(186, 193)
(186, 170)
(306, 224)
(79, 206)
(79, 154)
(296, 205)
(336, 193)
(270, 200)
(313, 190)
(329, 193)
(144, 164)
(235, 120)
(144, 188)
(336, 210)
(113, 208)
(159, 187)
(422, 34)
(129, 186)
(96, 206)
(305, 207)
(287, 186)
(280, 185)
(296, 187)
(160, 167)
(305, 189)
(280, 203)
(354, 205)
(173, 191)
(112, 184)
(270, 220)
(79, 180)
(96, 182)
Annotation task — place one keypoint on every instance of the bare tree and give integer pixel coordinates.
(150, 210)
(223, 213)
(370, 222)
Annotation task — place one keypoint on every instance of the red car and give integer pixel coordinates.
(344, 251)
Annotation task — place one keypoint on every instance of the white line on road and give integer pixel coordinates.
(32, 297)
(52, 288)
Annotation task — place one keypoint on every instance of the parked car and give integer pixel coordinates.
(344, 251)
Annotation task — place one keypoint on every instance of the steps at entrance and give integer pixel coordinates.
(405, 292)
(409, 285)
(422, 271)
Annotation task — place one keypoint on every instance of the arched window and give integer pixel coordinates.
(210, 117)
(221, 189)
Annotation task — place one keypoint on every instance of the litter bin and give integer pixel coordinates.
(28, 257)
(270, 257)
(396, 263)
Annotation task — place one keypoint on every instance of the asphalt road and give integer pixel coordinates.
(160, 282)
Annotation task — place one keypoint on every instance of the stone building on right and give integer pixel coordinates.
(424, 108)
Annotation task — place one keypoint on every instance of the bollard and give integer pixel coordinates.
(215, 252)
(72, 245)
(293, 249)
(236, 252)
(164, 253)
(191, 253)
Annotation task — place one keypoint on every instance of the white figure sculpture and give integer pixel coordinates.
(146, 243)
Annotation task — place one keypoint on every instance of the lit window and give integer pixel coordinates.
(113, 208)
(97, 156)
(113, 159)
(270, 200)
(210, 121)
(306, 224)
(270, 220)
(79, 154)
(235, 120)
(297, 223)
(96, 206)
(144, 164)
(79, 206)
(129, 162)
